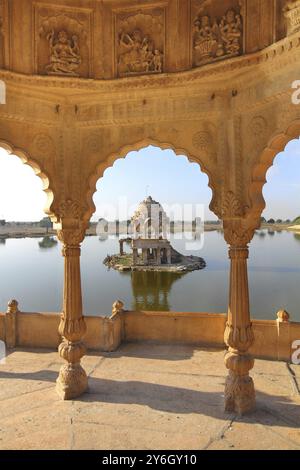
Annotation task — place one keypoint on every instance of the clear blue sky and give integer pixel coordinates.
(168, 178)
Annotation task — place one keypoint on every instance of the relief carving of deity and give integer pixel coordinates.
(215, 39)
(64, 52)
(292, 15)
(137, 54)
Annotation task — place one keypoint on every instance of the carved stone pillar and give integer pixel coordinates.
(145, 256)
(72, 380)
(134, 256)
(239, 387)
(169, 256)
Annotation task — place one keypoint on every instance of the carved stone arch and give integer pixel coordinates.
(276, 145)
(39, 171)
(123, 151)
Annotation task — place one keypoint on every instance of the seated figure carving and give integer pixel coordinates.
(64, 54)
(206, 38)
(231, 32)
(215, 39)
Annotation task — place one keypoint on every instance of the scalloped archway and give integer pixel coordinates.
(123, 152)
(276, 145)
(27, 160)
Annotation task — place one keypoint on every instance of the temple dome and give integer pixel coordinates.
(150, 219)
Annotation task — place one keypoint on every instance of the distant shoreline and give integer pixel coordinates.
(25, 231)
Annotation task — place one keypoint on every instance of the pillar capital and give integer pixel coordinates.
(71, 236)
(238, 233)
(70, 225)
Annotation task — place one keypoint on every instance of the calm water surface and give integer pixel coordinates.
(34, 276)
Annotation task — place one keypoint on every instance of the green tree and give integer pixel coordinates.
(297, 221)
(271, 221)
(46, 223)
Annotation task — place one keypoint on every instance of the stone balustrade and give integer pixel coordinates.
(273, 338)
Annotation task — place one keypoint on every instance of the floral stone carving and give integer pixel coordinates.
(214, 39)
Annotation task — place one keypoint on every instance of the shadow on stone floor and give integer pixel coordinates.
(159, 351)
(271, 410)
(41, 375)
(143, 350)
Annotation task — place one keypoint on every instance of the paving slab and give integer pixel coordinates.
(144, 396)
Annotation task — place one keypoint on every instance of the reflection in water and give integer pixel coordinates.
(103, 237)
(261, 233)
(297, 236)
(274, 277)
(47, 242)
(151, 289)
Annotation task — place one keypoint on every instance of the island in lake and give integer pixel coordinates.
(150, 248)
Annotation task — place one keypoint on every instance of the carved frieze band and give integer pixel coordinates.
(63, 36)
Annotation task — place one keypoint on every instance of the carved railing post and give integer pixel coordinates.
(11, 324)
(239, 387)
(72, 380)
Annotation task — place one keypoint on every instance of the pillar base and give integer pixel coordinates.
(239, 394)
(71, 382)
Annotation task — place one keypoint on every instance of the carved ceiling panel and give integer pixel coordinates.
(292, 15)
(139, 42)
(63, 40)
(287, 18)
(217, 30)
(107, 39)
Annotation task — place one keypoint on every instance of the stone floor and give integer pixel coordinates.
(145, 397)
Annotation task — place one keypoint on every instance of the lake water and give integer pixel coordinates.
(34, 276)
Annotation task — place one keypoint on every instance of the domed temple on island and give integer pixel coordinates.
(151, 249)
(150, 224)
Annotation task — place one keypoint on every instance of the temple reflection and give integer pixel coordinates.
(151, 289)
(297, 236)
